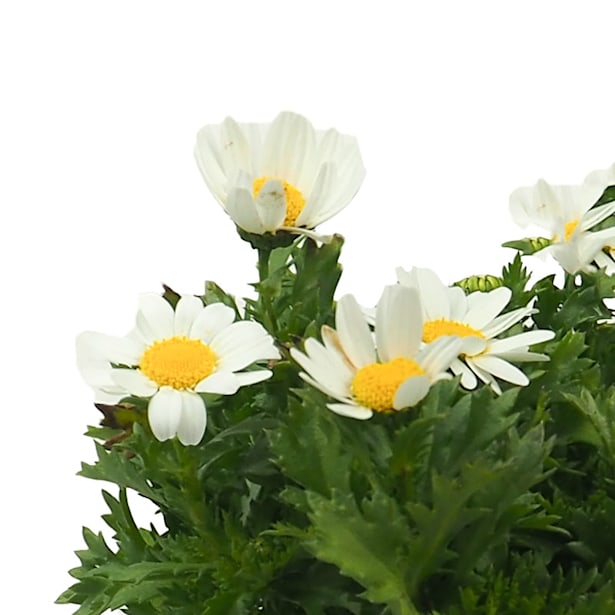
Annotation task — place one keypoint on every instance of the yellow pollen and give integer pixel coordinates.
(374, 386)
(294, 199)
(569, 229)
(178, 362)
(434, 329)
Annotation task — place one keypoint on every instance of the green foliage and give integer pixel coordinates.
(471, 503)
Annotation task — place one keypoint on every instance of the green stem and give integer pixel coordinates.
(265, 305)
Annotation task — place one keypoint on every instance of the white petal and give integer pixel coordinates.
(187, 309)
(155, 318)
(220, 383)
(345, 397)
(241, 207)
(193, 419)
(164, 413)
(324, 366)
(436, 358)
(501, 369)
(351, 411)
(134, 382)
(433, 293)
(399, 326)
(92, 346)
(484, 307)
(468, 379)
(410, 392)
(596, 215)
(271, 205)
(472, 345)
(208, 155)
(241, 344)
(353, 331)
(525, 339)
(288, 149)
(212, 319)
(247, 378)
(505, 321)
(317, 199)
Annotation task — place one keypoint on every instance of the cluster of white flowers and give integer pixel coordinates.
(288, 177)
(567, 214)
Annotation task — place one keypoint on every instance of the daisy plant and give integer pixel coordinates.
(451, 453)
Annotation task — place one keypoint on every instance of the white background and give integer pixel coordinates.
(455, 104)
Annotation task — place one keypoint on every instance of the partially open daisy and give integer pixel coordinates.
(279, 176)
(476, 319)
(171, 357)
(385, 374)
(567, 214)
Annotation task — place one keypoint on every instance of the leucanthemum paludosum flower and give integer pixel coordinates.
(567, 214)
(279, 176)
(383, 372)
(476, 318)
(171, 357)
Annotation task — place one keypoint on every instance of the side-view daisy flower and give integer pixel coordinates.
(171, 357)
(368, 374)
(279, 176)
(477, 320)
(567, 214)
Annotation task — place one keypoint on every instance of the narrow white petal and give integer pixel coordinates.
(208, 154)
(164, 413)
(505, 321)
(353, 331)
(523, 356)
(247, 378)
(437, 357)
(212, 319)
(187, 309)
(410, 392)
(241, 344)
(468, 379)
(596, 215)
(484, 376)
(525, 339)
(193, 419)
(501, 369)
(484, 307)
(134, 382)
(271, 205)
(324, 366)
(155, 318)
(399, 325)
(345, 397)
(351, 411)
(220, 383)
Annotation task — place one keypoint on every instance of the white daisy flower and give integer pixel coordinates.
(382, 374)
(279, 176)
(567, 214)
(171, 357)
(476, 319)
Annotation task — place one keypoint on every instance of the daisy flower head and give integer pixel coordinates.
(279, 176)
(173, 355)
(567, 214)
(477, 320)
(382, 372)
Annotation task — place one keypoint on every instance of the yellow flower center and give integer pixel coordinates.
(294, 199)
(569, 229)
(374, 386)
(178, 362)
(434, 329)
